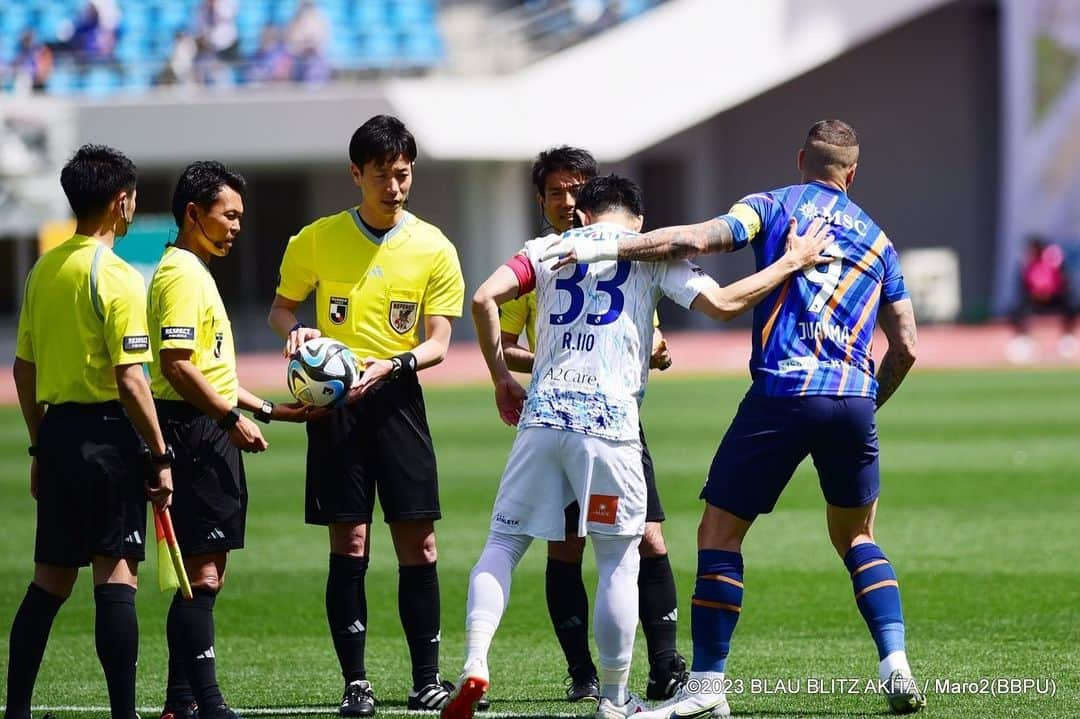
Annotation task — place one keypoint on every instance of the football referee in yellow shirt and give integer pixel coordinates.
(557, 174)
(379, 274)
(82, 340)
(197, 394)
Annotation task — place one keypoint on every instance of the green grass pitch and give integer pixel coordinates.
(979, 514)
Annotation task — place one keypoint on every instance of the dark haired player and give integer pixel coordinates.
(557, 174)
(578, 436)
(82, 341)
(814, 391)
(379, 274)
(197, 395)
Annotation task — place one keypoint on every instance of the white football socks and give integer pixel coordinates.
(489, 591)
(615, 614)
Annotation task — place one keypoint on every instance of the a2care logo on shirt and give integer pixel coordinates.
(136, 343)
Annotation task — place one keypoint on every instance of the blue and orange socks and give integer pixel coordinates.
(715, 608)
(877, 595)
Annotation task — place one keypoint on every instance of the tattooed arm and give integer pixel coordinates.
(897, 321)
(667, 243)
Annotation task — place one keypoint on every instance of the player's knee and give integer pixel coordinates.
(652, 542)
(208, 582)
(571, 550)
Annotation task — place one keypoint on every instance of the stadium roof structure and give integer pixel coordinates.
(618, 93)
(633, 86)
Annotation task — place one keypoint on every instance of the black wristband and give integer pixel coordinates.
(264, 413)
(229, 420)
(295, 327)
(404, 363)
(32, 450)
(165, 459)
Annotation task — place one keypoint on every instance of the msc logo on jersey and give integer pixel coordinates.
(841, 219)
(339, 309)
(219, 339)
(402, 315)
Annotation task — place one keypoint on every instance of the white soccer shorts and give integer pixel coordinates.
(550, 468)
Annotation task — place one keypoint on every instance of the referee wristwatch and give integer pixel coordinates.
(165, 459)
(229, 420)
(264, 413)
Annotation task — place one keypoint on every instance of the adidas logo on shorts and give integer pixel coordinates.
(133, 538)
(216, 533)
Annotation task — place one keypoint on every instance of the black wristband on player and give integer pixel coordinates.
(404, 363)
(297, 326)
(229, 420)
(264, 413)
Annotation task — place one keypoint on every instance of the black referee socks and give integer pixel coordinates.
(346, 612)
(658, 607)
(568, 605)
(418, 606)
(26, 646)
(190, 633)
(116, 633)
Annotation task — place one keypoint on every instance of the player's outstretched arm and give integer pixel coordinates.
(134, 392)
(803, 251)
(660, 245)
(502, 286)
(897, 321)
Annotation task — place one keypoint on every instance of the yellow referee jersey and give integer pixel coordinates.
(186, 312)
(520, 314)
(370, 292)
(83, 314)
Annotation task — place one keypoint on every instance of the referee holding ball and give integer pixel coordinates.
(379, 274)
(197, 395)
(82, 340)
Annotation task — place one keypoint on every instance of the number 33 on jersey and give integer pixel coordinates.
(594, 335)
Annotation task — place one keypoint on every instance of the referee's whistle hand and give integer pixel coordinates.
(159, 488)
(298, 337)
(246, 437)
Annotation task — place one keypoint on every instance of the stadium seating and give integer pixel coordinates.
(366, 35)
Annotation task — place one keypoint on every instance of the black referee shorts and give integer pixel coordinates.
(380, 444)
(210, 497)
(654, 510)
(91, 486)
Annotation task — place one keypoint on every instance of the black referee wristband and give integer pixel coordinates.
(229, 420)
(264, 413)
(32, 450)
(297, 326)
(404, 363)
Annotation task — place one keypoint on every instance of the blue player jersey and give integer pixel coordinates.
(813, 334)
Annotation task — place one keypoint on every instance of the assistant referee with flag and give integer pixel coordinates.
(82, 340)
(198, 394)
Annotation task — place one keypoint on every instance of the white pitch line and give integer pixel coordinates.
(303, 711)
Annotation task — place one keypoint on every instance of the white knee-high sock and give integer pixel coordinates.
(489, 591)
(615, 615)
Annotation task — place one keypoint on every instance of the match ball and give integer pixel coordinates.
(321, 372)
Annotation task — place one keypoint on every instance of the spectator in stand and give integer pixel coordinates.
(306, 38)
(271, 62)
(180, 69)
(32, 64)
(1043, 288)
(215, 23)
(211, 68)
(93, 36)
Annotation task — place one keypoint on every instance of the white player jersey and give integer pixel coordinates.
(594, 328)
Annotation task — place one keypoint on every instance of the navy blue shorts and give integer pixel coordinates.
(770, 436)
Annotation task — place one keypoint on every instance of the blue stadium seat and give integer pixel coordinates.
(406, 15)
(631, 8)
(14, 19)
(63, 81)
(422, 47)
(101, 81)
(378, 50)
(369, 15)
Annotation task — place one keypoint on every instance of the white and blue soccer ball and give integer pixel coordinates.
(322, 371)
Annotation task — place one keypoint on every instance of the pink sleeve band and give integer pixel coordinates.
(523, 270)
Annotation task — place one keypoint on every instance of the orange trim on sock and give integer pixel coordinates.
(868, 565)
(722, 578)
(716, 605)
(879, 585)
